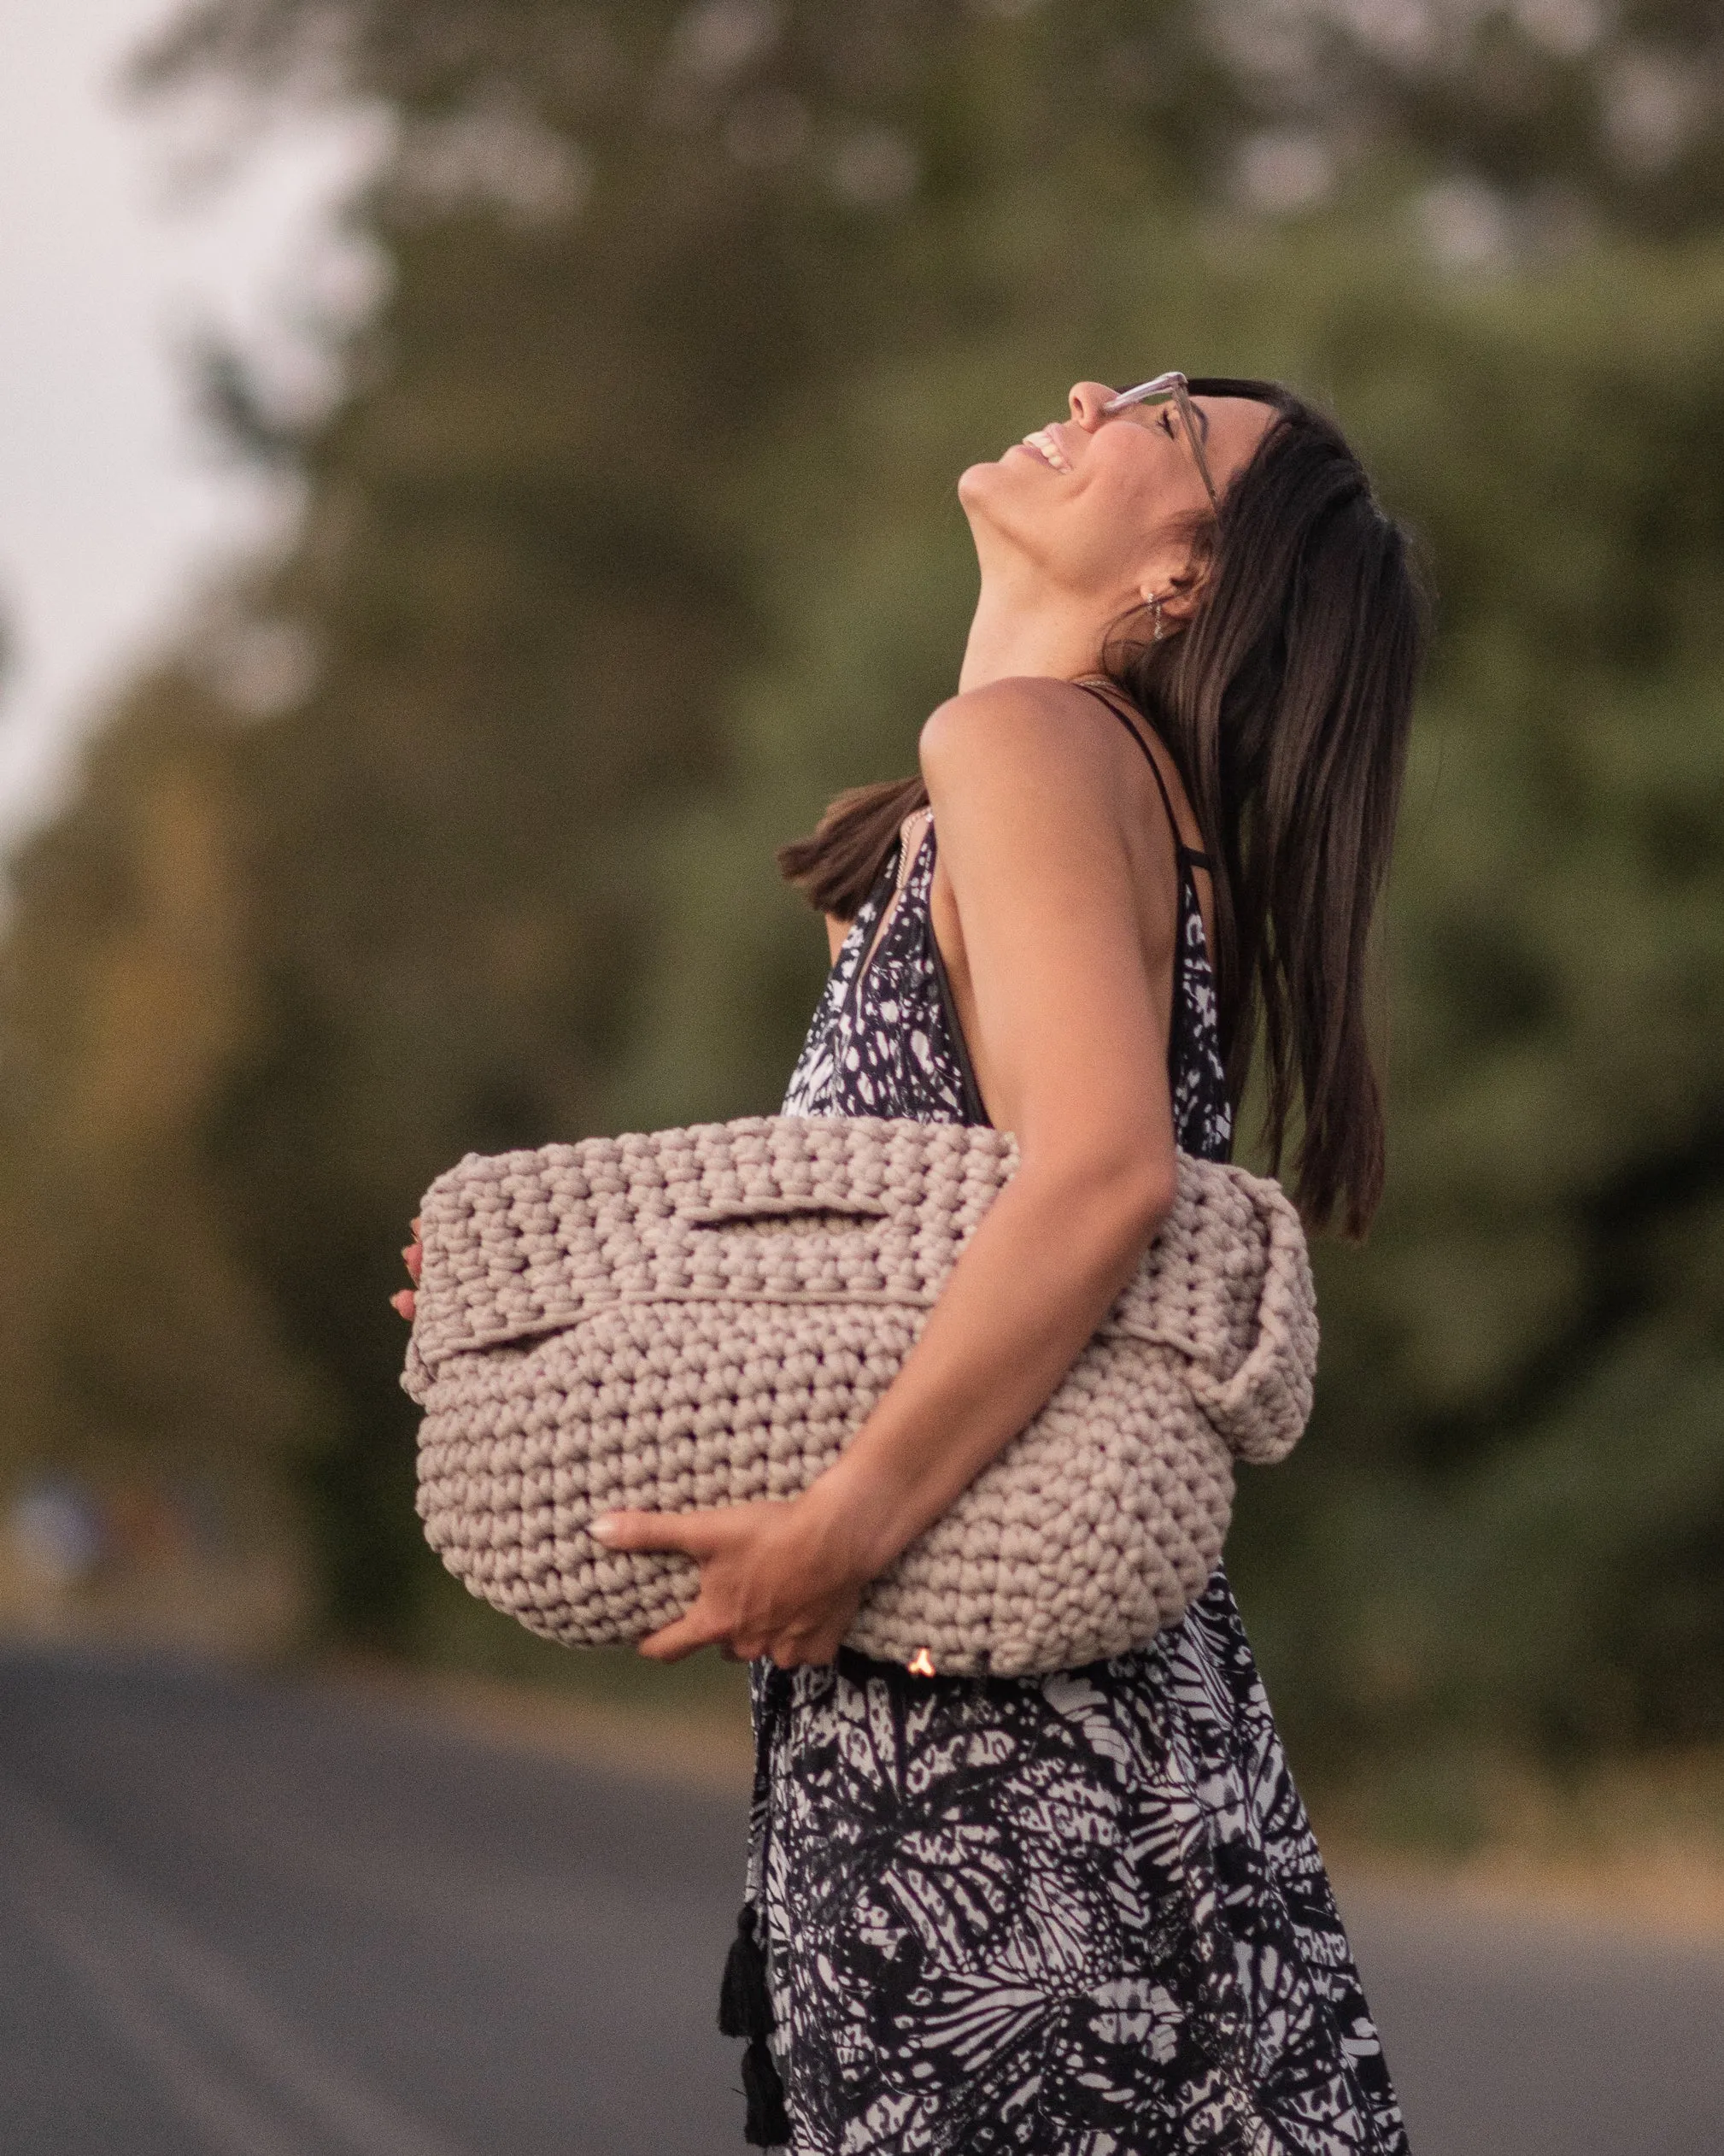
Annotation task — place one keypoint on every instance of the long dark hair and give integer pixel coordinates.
(1286, 704)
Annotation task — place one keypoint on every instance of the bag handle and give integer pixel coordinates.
(725, 1213)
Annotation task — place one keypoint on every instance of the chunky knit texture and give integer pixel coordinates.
(702, 1317)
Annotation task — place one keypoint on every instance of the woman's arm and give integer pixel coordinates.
(1068, 963)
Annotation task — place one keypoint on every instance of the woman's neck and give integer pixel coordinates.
(1026, 630)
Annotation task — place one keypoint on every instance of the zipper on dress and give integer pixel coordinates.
(918, 820)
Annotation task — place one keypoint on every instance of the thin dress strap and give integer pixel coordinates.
(1189, 856)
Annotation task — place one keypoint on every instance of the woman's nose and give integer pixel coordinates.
(1087, 401)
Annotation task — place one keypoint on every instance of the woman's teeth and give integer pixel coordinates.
(1045, 447)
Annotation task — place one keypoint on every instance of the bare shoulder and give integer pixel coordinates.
(1027, 730)
(1041, 798)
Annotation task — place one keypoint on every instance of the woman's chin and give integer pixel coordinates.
(978, 481)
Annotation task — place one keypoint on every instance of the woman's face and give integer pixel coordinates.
(1105, 508)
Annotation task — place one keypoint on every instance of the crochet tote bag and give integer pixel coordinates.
(702, 1317)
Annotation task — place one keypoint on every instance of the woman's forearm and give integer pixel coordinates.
(1033, 1283)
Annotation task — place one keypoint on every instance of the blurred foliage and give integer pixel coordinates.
(633, 536)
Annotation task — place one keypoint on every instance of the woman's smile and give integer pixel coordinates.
(1042, 443)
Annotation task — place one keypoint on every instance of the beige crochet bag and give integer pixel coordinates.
(702, 1317)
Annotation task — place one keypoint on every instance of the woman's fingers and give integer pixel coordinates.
(694, 1534)
(414, 1258)
(796, 1648)
(700, 1628)
(755, 1600)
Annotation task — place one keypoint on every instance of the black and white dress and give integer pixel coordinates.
(1077, 1915)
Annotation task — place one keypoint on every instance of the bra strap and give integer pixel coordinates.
(1189, 856)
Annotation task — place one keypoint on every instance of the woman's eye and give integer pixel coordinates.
(1167, 423)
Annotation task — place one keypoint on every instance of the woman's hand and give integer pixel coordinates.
(779, 1578)
(413, 1257)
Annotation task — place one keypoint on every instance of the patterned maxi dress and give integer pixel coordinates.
(1077, 1915)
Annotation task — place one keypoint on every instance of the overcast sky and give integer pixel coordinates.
(113, 509)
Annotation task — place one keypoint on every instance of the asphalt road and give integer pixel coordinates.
(245, 1920)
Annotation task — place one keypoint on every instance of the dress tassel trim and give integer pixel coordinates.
(745, 2009)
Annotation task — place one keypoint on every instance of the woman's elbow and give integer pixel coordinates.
(1146, 1192)
(1124, 1194)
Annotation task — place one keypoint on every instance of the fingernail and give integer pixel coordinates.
(604, 1529)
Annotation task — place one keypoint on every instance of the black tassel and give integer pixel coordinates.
(768, 2122)
(744, 2008)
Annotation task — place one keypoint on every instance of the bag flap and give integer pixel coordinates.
(765, 1208)
(1227, 1283)
(846, 1210)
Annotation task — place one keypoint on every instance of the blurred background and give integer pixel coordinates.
(565, 511)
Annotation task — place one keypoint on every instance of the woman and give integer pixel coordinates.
(1081, 1915)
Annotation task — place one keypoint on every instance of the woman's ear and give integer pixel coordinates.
(1174, 600)
(1179, 586)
